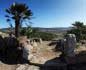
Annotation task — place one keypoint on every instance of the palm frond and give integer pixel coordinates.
(7, 16)
(8, 20)
(8, 11)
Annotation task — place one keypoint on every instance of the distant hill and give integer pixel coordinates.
(6, 30)
(52, 30)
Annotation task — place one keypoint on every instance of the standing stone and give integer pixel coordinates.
(34, 44)
(69, 48)
(70, 45)
(27, 50)
(62, 43)
(21, 67)
(27, 47)
(40, 40)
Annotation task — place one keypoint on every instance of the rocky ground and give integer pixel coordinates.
(46, 59)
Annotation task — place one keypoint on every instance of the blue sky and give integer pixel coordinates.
(49, 13)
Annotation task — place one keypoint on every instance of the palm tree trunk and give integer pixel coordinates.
(17, 28)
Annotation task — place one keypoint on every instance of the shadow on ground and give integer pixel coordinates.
(11, 57)
(57, 64)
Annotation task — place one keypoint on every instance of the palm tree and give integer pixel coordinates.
(19, 12)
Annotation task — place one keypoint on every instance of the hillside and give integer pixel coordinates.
(56, 30)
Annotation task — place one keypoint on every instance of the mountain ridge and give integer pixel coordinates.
(52, 29)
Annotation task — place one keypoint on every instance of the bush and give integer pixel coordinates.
(37, 34)
(45, 36)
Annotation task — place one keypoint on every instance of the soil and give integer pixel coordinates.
(44, 55)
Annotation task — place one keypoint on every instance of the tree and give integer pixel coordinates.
(26, 31)
(36, 33)
(79, 30)
(78, 25)
(19, 12)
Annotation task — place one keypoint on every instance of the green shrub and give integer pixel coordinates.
(45, 36)
(37, 34)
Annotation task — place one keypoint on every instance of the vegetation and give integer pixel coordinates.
(79, 29)
(35, 33)
(19, 12)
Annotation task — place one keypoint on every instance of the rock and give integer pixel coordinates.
(70, 45)
(27, 47)
(38, 59)
(69, 53)
(21, 67)
(33, 68)
(27, 67)
(34, 44)
(40, 40)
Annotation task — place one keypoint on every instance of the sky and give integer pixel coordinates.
(49, 13)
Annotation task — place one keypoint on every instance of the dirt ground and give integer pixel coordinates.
(45, 53)
(7, 67)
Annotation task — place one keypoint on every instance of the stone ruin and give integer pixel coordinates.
(26, 47)
(68, 45)
(29, 46)
(20, 48)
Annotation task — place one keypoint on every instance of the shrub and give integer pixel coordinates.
(45, 36)
(37, 34)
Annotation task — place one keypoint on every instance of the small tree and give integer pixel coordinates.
(19, 12)
(78, 30)
(26, 31)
